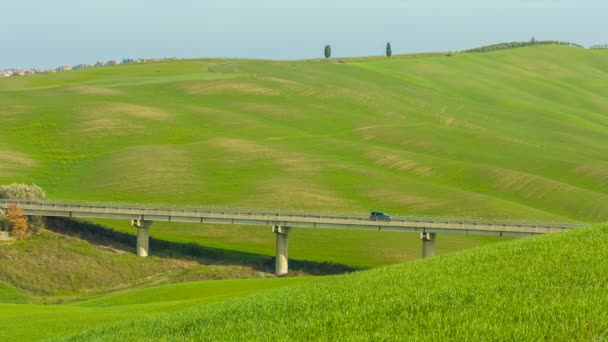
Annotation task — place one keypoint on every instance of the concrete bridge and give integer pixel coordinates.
(281, 221)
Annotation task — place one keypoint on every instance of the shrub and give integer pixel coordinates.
(33, 224)
(4, 226)
(22, 191)
(17, 221)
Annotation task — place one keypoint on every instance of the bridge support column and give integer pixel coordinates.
(281, 266)
(143, 236)
(428, 244)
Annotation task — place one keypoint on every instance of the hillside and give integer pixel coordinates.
(55, 267)
(77, 260)
(40, 322)
(517, 133)
(552, 287)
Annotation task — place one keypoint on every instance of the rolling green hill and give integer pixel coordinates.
(552, 287)
(512, 134)
(516, 133)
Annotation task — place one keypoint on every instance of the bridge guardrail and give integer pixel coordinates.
(173, 210)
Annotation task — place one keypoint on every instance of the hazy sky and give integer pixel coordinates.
(41, 33)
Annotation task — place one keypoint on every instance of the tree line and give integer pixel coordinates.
(599, 46)
(532, 42)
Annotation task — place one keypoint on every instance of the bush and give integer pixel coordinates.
(17, 221)
(33, 224)
(22, 191)
(4, 226)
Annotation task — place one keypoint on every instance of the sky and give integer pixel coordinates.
(46, 34)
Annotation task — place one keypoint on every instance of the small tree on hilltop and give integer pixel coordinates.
(17, 221)
(389, 50)
(327, 51)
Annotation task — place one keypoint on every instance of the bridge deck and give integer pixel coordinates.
(286, 218)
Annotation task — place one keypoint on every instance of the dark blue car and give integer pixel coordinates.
(379, 216)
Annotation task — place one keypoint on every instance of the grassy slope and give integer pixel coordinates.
(553, 287)
(53, 267)
(515, 133)
(36, 322)
(10, 294)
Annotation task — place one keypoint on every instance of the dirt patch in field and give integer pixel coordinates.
(248, 151)
(395, 162)
(414, 203)
(524, 183)
(93, 90)
(109, 127)
(456, 123)
(598, 172)
(271, 110)
(281, 81)
(298, 194)
(11, 112)
(162, 170)
(227, 87)
(13, 162)
(125, 110)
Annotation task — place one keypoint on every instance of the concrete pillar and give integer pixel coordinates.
(143, 236)
(281, 266)
(428, 244)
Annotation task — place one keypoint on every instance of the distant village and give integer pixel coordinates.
(33, 71)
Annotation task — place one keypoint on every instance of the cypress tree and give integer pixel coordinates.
(389, 50)
(327, 51)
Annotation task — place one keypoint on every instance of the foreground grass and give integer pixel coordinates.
(27, 322)
(553, 287)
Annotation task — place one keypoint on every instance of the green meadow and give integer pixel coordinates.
(36, 322)
(513, 134)
(517, 134)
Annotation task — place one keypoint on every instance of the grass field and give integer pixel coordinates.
(37, 322)
(516, 133)
(552, 287)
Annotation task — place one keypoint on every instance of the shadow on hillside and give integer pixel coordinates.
(103, 236)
